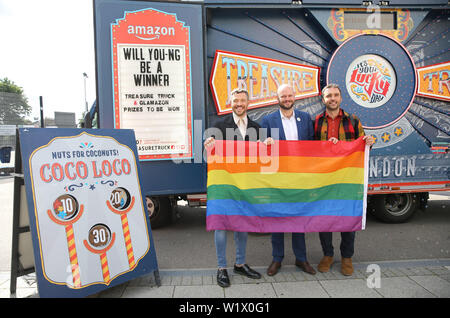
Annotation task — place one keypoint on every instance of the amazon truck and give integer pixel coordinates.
(166, 70)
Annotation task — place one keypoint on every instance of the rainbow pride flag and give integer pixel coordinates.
(291, 186)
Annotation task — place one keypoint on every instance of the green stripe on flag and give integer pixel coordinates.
(342, 191)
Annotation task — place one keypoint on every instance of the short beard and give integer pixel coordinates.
(331, 108)
(286, 108)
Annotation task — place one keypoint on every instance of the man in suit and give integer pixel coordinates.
(237, 126)
(288, 124)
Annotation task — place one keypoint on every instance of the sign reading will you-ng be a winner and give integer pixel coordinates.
(89, 226)
(152, 82)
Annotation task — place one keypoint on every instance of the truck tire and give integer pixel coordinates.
(159, 210)
(394, 208)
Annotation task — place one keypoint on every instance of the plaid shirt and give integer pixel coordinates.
(350, 127)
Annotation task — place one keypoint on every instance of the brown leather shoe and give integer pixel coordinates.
(347, 266)
(325, 264)
(273, 268)
(304, 266)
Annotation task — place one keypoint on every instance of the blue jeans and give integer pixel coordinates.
(240, 240)
(347, 243)
(298, 246)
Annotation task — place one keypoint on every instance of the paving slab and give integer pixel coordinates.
(402, 287)
(350, 288)
(306, 289)
(434, 284)
(149, 292)
(263, 290)
(208, 291)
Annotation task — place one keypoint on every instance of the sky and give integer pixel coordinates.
(45, 47)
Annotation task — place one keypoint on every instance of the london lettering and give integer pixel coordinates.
(385, 167)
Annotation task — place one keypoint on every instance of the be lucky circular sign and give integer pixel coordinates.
(370, 81)
(377, 78)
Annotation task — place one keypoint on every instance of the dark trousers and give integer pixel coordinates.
(298, 246)
(347, 243)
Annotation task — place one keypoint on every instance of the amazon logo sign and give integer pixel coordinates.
(148, 33)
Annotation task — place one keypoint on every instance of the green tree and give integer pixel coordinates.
(13, 104)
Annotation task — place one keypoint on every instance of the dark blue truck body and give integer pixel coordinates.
(410, 157)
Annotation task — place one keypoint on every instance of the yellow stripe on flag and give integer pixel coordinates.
(283, 180)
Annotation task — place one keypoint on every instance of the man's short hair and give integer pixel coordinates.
(283, 86)
(240, 90)
(331, 85)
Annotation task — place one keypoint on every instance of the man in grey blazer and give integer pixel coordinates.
(288, 124)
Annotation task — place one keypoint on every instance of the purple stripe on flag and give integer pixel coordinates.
(296, 224)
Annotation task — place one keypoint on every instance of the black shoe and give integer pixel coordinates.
(246, 271)
(222, 278)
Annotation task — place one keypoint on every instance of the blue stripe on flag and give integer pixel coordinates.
(324, 207)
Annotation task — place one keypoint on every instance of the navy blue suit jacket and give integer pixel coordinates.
(305, 127)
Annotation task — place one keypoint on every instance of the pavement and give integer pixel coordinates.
(386, 279)
(420, 278)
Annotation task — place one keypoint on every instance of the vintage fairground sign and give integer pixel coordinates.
(347, 22)
(152, 82)
(370, 80)
(261, 77)
(434, 81)
(89, 226)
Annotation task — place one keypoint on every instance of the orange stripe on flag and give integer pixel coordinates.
(235, 164)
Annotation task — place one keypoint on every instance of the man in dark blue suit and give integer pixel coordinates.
(288, 124)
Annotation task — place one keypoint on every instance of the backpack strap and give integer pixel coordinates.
(355, 125)
(318, 126)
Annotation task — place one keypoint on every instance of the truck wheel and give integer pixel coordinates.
(394, 208)
(159, 210)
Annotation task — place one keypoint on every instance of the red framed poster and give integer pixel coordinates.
(152, 83)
